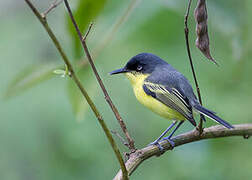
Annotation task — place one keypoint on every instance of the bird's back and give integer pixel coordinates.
(167, 76)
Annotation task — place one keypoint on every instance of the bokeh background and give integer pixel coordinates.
(47, 131)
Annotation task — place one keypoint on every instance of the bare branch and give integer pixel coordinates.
(191, 63)
(80, 86)
(218, 131)
(112, 32)
(52, 6)
(121, 138)
(107, 97)
(89, 28)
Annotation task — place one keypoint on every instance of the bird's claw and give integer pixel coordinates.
(170, 141)
(161, 149)
(156, 143)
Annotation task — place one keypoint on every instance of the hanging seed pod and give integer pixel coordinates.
(202, 41)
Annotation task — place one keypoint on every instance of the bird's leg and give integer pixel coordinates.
(164, 133)
(168, 138)
(161, 136)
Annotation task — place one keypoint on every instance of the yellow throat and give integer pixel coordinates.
(137, 81)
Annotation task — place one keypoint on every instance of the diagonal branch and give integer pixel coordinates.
(52, 6)
(107, 97)
(88, 31)
(109, 36)
(191, 62)
(80, 86)
(218, 131)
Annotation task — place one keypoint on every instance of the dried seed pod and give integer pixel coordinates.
(202, 41)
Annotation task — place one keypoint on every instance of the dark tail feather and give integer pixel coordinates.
(212, 116)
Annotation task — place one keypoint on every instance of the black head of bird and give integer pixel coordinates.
(144, 63)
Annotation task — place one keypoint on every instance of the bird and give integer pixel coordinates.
(166, 92)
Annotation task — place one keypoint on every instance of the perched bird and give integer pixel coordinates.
(165, 91)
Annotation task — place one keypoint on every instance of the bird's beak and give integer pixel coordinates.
(122, 70)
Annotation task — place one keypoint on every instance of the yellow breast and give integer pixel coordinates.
(156, 106)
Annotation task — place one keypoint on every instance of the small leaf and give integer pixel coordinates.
(29, 77)
(59, 72)
(202, 41)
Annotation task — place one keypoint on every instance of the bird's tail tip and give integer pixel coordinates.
(212, 115)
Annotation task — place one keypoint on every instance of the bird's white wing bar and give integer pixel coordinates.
(170, 97)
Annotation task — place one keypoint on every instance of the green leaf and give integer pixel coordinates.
(59, 72)
(29, 77)
(87, 10)
(62, 72)
(78, 102)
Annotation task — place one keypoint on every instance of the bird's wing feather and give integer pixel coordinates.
(170, 97)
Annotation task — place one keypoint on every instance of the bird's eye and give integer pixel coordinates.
(139, 68)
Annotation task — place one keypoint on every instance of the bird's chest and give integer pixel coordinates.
(150, 102)
(137, 81)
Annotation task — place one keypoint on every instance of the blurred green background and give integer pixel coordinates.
(47, 131)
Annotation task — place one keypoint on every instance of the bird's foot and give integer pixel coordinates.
(156, 143)
(171, 142)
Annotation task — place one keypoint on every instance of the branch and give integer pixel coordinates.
(120, 137)
(218, 131)
(88, 31)
(52, 6)
(191, 63)
(107, 97)
(78, 83)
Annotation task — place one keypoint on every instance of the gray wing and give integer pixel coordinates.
(171, 78)
(171, 97)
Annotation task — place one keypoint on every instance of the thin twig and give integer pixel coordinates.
(108, 38)
(191, 62)
(78, 83)
(89, 28)
(120, 137)
(107, 97)
(52, 6)
(131, 142)
(244, 130)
